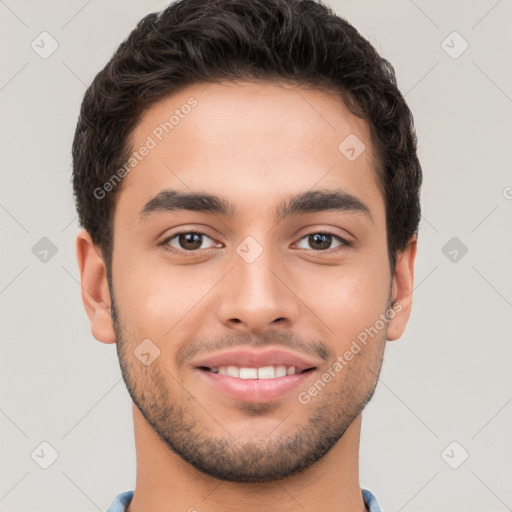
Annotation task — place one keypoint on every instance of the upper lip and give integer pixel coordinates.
(250, 358)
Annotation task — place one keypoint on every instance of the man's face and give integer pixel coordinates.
(251, 278)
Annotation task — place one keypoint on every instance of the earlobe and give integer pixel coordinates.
(401, 291)
(95, 292)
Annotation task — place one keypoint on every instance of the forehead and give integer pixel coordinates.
(250, 143)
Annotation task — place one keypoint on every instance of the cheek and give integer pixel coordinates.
(350, 299)
(155, 299)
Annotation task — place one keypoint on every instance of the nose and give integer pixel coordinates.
(257, 296)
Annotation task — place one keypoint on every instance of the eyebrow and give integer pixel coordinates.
(307, 202)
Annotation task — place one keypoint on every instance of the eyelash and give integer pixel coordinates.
(345, 243)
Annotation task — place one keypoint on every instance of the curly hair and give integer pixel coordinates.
(192, 41)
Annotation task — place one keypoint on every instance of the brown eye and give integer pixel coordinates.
(320, 241)
(186, 241)
(190, 241)
(323, 241)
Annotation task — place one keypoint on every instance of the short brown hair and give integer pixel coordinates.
(195, 41)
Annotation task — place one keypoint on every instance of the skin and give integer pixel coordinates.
(287, 455)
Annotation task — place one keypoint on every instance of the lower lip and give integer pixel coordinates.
(255, 390)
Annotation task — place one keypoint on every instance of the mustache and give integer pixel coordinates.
(316, 348)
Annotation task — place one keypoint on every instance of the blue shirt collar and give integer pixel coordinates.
(123, 499)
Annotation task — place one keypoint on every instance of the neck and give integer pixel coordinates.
(165, 482)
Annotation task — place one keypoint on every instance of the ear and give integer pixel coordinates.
(95, 292)
(401, 291)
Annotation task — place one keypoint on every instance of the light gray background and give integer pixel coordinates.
(448, 378)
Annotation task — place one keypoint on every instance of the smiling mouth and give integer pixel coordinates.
(261, 373)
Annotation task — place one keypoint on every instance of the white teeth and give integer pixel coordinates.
(265, 372)
(280, 371)
(232, 371)
(248, 373)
